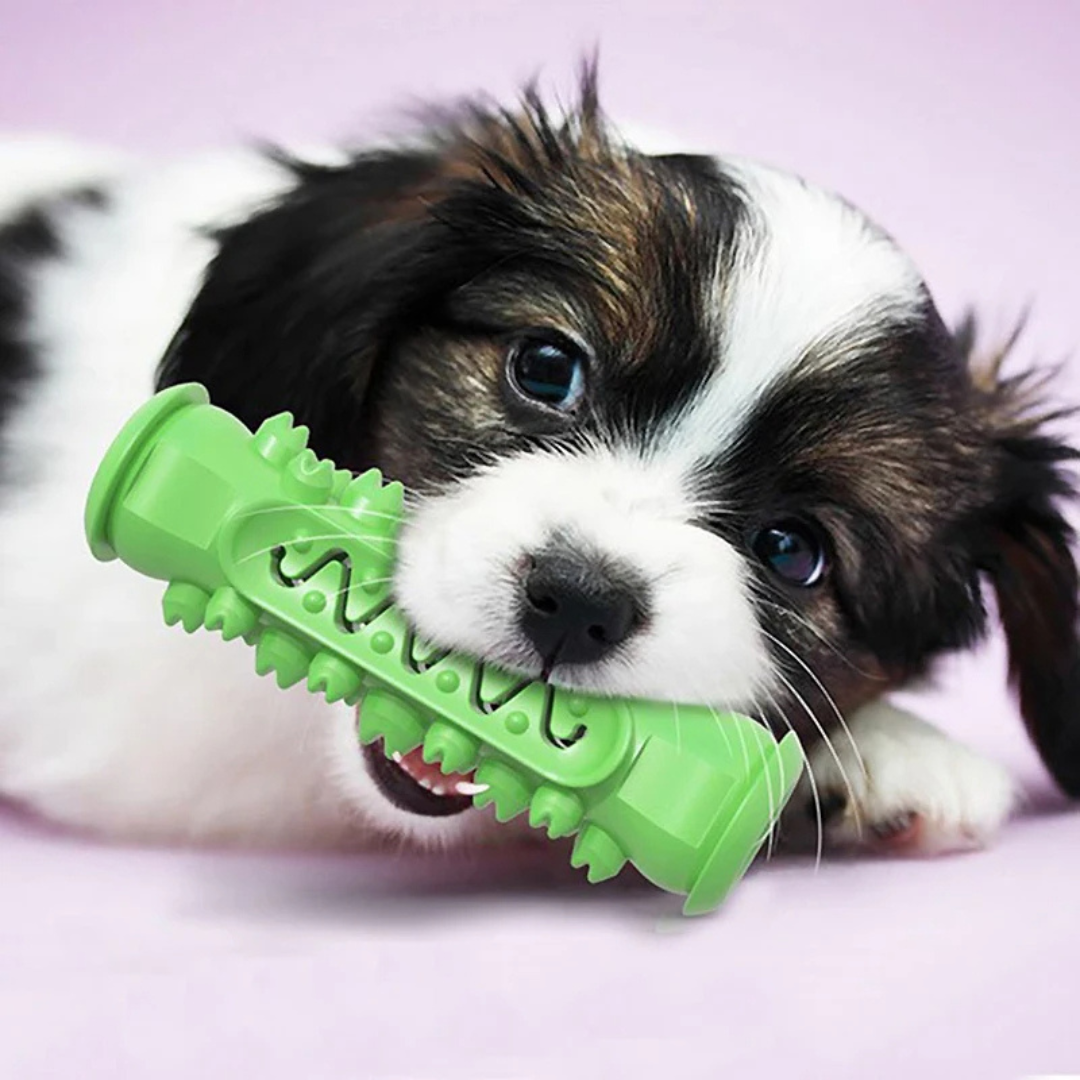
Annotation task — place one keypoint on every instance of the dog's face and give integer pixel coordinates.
(672, 427)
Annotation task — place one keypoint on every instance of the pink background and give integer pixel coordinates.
(955, 124)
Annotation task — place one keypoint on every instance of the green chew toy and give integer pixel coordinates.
(261, 540)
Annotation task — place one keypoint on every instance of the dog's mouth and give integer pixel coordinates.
(411, 784)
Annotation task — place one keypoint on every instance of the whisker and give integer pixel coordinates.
(806, 624)
(818, 816)
(761, 743)
(325, 538)
(724, 732)
(828, 697)
(774, 811)
(746, 758)
(330, 508)
(829, 743)
(742, 740)
(743, 808)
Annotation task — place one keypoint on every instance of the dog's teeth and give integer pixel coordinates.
(438, 789)
(467, 787)
(396, 757)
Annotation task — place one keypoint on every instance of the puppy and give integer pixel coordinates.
(674, 426)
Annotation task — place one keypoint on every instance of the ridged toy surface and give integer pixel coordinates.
(260, 539)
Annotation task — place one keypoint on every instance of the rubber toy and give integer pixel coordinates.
(260, 539)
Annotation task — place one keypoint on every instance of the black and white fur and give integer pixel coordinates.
(756, 351)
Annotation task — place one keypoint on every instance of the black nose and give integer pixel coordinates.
(575, 609)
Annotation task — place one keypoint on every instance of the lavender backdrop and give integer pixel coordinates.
(955, 123)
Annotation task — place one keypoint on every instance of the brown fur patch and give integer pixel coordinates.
(632, 225)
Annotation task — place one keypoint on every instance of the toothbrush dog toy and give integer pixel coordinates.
(260, 539)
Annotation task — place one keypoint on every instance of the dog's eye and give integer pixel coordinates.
(793, 550)
(549, 372)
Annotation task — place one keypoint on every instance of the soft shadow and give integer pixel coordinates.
(397, 890)
(409, 890)
(1040, 799)
(19, 820)
(376, 889)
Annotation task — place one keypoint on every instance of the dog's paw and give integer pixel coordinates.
(899, 785)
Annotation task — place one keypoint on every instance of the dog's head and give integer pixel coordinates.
(673, 426)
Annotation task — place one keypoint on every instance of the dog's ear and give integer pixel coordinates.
(1029, 560)
(302, 296)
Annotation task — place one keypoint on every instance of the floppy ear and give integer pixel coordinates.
(1030, 563)
(295, 306)
(304, 297)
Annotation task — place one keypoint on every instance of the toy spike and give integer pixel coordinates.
(278, 441)
(448, 745)
(307, 479)
(260, 539)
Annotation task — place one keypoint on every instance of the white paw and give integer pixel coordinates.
(900, 785)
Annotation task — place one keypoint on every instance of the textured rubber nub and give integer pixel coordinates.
(115, 470)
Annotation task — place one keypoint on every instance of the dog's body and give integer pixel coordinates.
(675, 427)
(109, 721)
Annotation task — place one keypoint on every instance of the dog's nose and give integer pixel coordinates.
(576, 609)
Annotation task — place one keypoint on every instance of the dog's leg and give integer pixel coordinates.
(898, 784)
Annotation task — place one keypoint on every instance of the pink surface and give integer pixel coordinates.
(955, 124)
